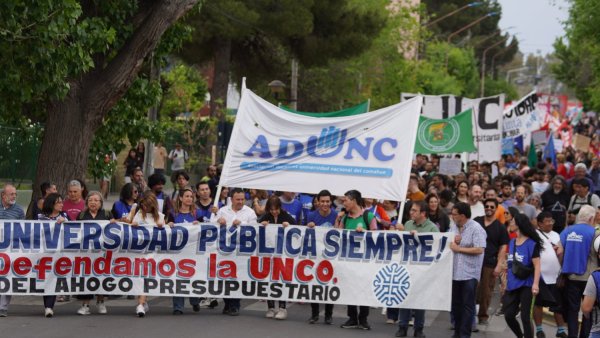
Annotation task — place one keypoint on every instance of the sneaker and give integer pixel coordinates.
(140, 310)
(48, 312)
(313, 320)
(101, 308)
(484, 322)
(234, 312)
(177, 312)
(500, 312)
(402, 332)
(60, 299)
(146, 307)
(540, 334)
(84, 310)
(271, 313)
(213, 303)
(390, 321)
(281, 314)
(562, 335)
(328, 320)
(475, 329)
(225, 311)
(196, 308)
(384, 311)
(3, 313)
(364, 326)
(349, 324)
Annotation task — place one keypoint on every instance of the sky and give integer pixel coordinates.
(536, 22)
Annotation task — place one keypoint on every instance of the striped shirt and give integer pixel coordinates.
(12, 212)
(466, 266)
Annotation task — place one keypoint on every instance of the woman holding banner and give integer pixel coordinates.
(185, 212)
(274, 214)
(93, 212)
(523, 276)
(148, 214)
(52, 211)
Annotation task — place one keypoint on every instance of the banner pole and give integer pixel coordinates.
(401, 213)
(217, 195)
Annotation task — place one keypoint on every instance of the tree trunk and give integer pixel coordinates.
(72, 122)
(218, 95)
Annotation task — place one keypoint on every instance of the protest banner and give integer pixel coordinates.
(317, 265)
(522, 118)
(540, 138)
(487, 121)
(450, 166)
(446, 136)
(360, 108)
(272, 149)
(581, 142)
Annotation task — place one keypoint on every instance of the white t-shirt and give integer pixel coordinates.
(550, 265)
(477, 210)
(178, 158)
(148, 220)
(540, 187)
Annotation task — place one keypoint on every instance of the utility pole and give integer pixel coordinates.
(483, 64)
(294, 85)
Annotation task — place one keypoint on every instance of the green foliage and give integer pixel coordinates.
(185, 90)
(579, 53)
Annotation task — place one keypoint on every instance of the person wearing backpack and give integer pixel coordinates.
(579, 260)
(356, 218)
(523, 277)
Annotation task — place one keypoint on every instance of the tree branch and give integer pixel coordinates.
(105, 88)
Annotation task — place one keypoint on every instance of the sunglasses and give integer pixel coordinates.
(490, 207)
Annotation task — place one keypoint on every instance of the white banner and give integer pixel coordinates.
(273, 149)
(487, 122)
(523, 118)
(322, 265)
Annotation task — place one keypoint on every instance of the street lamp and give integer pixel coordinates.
(470, 25)
(500, 53)
(277, 87)
(483, 63)
(514, 70)
(469, 5)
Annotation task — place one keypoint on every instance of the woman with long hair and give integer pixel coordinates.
(523, 276)
(274, 214)
(147, 214)
(462, 192)
(184, 211)
(435, 212)
(93, 212)
(52, 210)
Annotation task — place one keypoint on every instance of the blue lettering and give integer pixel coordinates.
(374, 247)
(309, 246)
(362, 150)
(208, 234)
(159, 239)
(393, 244)
(91, 233)
(378, 149)
(289, 239)
(6, 238)
(179, 238)
(247, 239)
(313, 145)
(69, 236)
(112, 240)
(262, 241)
(136, 233)
(261, 146)
(332, 247)
(410, 248)
(355, 239)
(283, 149)
(21, 233)
(223, 246)
(426, 248)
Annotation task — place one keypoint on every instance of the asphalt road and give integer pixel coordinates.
(26, 320)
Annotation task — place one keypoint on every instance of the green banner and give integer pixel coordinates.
(360, 108)
(452, 135)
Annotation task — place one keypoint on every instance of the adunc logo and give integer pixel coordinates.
(391, 284)
(574, 237)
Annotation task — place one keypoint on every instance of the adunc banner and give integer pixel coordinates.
(360, 108)
(487, 120)
(272, 149)
(522, 118)
(448, 136)
(323, 265)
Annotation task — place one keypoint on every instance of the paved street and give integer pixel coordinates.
(26, 320)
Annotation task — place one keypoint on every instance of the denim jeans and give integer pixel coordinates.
(179, 302)
(405, 318)
(232, 303)
(463, 306)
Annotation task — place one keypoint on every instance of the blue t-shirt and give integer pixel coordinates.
(328, 221)
(204, 212)
(294, 208)
(185, 217)
(577, 242)
(307, 204)
(524, 253)
(120, 209)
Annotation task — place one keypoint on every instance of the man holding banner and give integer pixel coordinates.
(10, 210)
